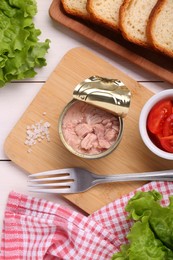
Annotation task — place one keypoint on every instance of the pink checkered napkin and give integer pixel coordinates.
(38, 229)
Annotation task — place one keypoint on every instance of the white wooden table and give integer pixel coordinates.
(15, 97)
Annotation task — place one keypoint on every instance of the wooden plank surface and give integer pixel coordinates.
(130, 156)
(151, 61)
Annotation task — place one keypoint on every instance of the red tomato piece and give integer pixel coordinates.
(158, 115)
(167, 143)
(168, 126)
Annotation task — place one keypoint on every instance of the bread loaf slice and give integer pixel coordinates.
(160, 27)
(105, 12)
(76, 8)
(134, 15)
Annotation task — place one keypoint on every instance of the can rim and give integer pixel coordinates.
(83, 155)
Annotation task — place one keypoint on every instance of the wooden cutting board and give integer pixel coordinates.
(130, 156)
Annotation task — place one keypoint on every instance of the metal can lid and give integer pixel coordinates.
(109, 94)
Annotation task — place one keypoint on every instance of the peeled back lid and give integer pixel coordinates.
(109, 94)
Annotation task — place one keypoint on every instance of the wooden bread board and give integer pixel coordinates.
(151, 61)
(130, 156)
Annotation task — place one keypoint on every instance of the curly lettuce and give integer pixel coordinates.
(20, 49)
(151, 236)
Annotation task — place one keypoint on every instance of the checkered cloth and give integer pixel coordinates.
(37, 229)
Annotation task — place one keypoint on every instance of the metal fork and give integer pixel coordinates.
(75, 180)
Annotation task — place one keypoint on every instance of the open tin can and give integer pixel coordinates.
(110, 99)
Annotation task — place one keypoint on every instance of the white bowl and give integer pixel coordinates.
(143, 123)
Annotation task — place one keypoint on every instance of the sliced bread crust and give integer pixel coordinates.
(134, 15)
(76, 8)
(105, 12)
(160, 27)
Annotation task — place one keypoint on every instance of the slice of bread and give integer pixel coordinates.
(134, 15)
(76, 8)
(105, 12)
(160, 27)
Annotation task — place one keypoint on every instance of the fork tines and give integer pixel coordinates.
(50, 182)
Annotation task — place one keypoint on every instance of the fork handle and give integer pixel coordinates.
(147, 176)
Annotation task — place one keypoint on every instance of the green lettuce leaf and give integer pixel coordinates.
(160, 218)
(151, 236)
(20, 49)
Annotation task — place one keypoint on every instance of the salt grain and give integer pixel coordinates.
(37, 133)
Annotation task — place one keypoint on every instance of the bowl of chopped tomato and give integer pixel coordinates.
(156, 124)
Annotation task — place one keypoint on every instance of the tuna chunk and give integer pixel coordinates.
(99, 130)
(94, 119)
(72, 139)
(88, 141)
(110, 135)
(83, 129)
(104, 144)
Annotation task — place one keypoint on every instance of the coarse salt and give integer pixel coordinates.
(37, 133)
